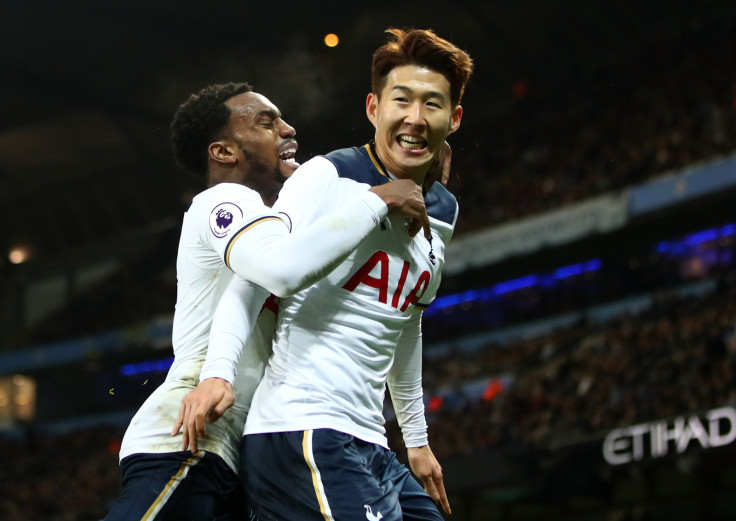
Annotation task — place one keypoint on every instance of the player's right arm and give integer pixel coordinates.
(262, 250)
(233, 322)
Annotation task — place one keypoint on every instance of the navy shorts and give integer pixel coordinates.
(325, 475)
(179, 486)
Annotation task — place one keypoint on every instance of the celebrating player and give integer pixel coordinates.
(315, 445)
(237, 141)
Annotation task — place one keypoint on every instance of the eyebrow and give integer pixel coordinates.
(270, 113)
(428, 94)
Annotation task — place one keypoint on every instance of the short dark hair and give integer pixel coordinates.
(199, 121)
(422, 47)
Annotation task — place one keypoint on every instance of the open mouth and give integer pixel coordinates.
(287, 155)
(411, 142)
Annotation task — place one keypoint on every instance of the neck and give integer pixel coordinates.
(222, 175)
(418, 174)
(269, 199)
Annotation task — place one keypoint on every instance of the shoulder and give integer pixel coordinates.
(223, 206)
(232, 193)
(359, 164)
(441, 204)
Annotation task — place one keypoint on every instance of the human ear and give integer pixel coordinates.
(371, 107)
(222, 152)
(455, 118)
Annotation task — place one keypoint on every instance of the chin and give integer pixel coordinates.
(416, 163)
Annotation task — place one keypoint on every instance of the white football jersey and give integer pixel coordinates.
(337, 341)
(227, 227)
(202, 278)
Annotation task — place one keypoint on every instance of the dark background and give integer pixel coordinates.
(89, 89)
(570, 100)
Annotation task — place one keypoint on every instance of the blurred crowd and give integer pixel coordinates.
(603, 127)
(140, 290)
(59, 477)
(580, 381)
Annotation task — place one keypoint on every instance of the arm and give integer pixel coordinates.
(405, 385)
(266, 254)
(233, 322)
(262, 250)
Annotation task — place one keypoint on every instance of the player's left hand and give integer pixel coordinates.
(426, 467)
(206, 403)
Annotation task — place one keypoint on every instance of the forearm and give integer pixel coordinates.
(410, 415)
(233, 322)
(405, 386)
(285, 263)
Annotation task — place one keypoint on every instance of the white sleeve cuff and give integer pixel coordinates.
(376, 205)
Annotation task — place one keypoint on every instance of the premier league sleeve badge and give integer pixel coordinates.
(222, 218)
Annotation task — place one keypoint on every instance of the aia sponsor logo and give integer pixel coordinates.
(401, 299)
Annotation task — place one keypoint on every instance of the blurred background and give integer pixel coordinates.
(580, 358)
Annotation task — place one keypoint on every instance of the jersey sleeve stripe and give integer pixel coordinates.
(243, 230)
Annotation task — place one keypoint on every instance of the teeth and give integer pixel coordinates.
(411, 142)
(288, 157)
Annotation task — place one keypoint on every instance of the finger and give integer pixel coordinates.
(189, 436)
(179, 421)
(194, 443)
(414, 226)
(446, 163)
(443, 496)
(217, 411)
(213, 416)
(431, 489)
(425, 224)
(185, 439)
(200, 423)
(192, 438)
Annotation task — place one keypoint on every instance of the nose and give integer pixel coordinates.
(415, 114)
(286, 130)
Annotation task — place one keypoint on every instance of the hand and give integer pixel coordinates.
(440, 168)
(404, 199)
(211, 398)
(426, 467)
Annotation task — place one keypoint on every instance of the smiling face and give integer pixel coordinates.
(412, 115)
(261, 147)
